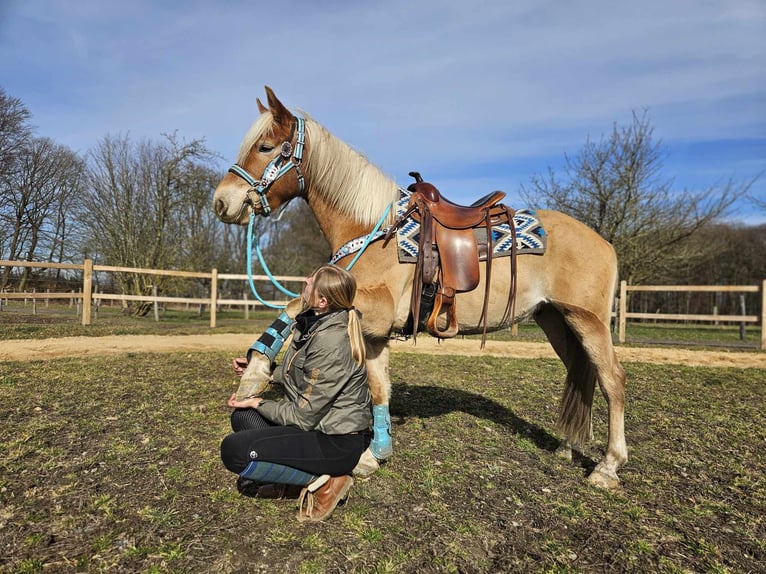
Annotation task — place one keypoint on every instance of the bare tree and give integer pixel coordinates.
(39, 193)
(15, 130)
(758, 202)
(134, 205)
(616, 186)
(15, 134)
(295, 243)
(63, 241)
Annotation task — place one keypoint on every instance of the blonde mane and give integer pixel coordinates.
(345, 178)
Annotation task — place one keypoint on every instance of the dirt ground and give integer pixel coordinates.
(42, 349)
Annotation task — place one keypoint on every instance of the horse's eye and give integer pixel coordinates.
(265, 148)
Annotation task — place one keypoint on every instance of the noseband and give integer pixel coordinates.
(290, 156)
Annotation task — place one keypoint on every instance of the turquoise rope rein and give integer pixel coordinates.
(250, 267)
(265, 267)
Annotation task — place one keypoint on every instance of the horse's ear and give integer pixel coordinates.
(281, 114)
(261, 108)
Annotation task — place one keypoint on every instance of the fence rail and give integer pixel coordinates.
(87, 295)
(623, 314)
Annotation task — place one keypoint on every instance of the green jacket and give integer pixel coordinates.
(325, 389)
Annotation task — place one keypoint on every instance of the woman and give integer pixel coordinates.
(313, 437)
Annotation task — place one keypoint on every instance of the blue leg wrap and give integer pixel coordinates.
(272, 339)
(380, 445)
(273, 473)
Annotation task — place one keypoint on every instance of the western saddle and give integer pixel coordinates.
(449, 253)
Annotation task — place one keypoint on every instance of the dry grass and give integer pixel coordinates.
(112, 466)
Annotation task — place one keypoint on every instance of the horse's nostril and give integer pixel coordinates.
(220, 207)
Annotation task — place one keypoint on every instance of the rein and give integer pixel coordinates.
(365, 240)
(265, 267)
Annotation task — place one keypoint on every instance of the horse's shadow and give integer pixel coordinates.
(430, 401)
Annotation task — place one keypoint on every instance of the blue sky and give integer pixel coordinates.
(477, 95)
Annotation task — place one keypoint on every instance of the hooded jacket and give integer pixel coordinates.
(325, 389)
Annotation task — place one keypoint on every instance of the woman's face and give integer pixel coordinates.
(308, 291)
(312, 299)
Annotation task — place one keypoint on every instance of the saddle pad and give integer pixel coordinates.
(530, 235)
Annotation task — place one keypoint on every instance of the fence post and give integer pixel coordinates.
(623, 309)
(213, 295)
(247, 307)
(87, 290)
(155, 304)
(763, 315)
(743, 312)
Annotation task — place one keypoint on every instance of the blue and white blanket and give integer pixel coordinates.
(530, 235)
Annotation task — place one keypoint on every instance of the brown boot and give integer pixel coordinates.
(319, 499)
(279, 491)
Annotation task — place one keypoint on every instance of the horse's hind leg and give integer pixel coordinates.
(597, 342)
(584, 344)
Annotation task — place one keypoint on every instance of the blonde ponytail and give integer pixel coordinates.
(358, 350)
(338, 286)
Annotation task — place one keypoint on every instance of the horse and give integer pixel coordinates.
(568, 290)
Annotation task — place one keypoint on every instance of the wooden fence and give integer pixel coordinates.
(87, 295)
(623, 314)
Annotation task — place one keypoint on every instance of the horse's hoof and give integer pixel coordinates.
(564, 452)
(381, 446)
(604, 479)
(367, 465)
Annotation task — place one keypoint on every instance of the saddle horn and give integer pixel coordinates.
(423, 187)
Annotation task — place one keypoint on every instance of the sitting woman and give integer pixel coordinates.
(308, 443)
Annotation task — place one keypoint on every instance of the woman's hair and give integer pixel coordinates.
(338, 286)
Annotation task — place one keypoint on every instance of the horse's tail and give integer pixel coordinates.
(575, 410)
(561, 324)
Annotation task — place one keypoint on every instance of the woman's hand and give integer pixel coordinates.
(239, 364)
(251, 403)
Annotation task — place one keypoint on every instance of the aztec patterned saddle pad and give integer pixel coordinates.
(530, 235)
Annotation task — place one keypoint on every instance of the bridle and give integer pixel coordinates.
(290, 157)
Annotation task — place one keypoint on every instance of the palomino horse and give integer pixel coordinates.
(568, 290)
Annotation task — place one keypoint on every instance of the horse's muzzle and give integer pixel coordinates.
(240, 217)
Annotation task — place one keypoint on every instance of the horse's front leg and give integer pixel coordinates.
(263, 352)
(377, 307)
(381, 447)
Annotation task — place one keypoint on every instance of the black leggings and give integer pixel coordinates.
(255, 438)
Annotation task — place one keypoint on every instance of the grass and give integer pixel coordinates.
(112, 465)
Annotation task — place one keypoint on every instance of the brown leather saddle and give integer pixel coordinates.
(449, 253)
